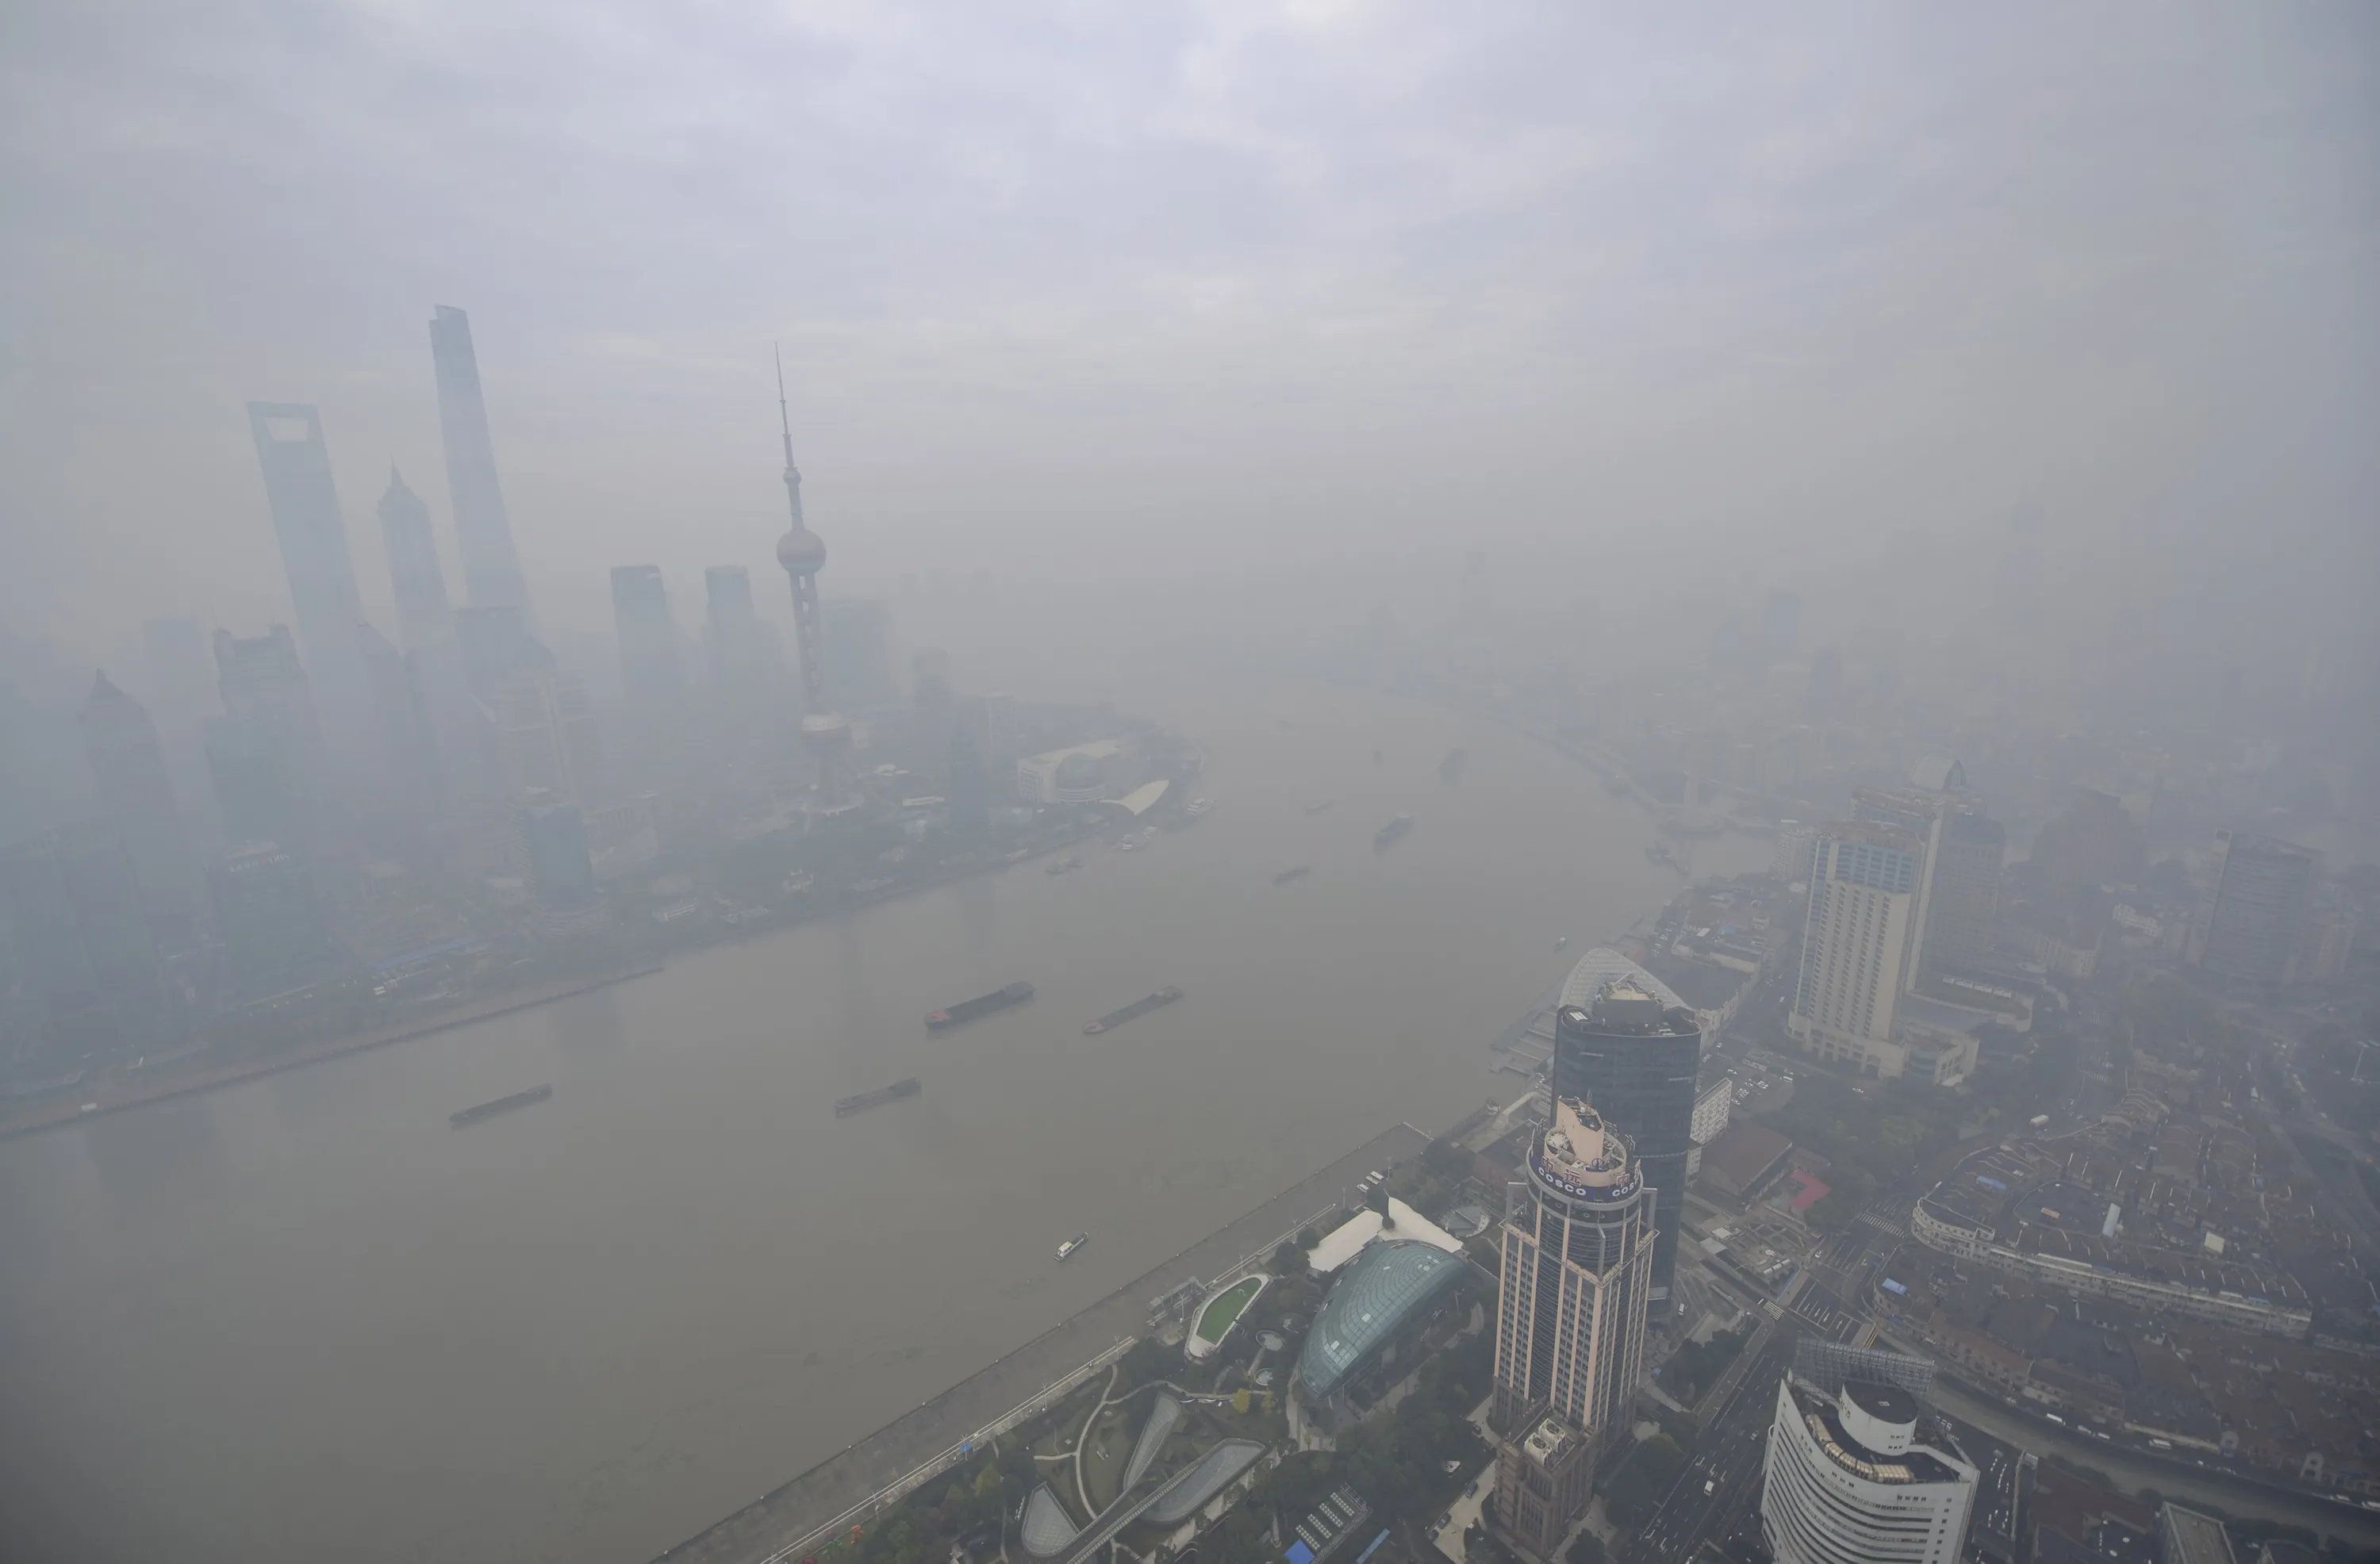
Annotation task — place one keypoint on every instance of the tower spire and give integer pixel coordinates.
(786, 427)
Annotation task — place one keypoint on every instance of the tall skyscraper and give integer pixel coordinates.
(416, 779)
(550, 846)
(546, 731)
(265, 751)
(135, 795)
(81, 979)
(802, 553)
(305, 503)
(734, 643)
(181, 671)
(1850, 1478)
(2247, 924)
(1636, 1062)
(496, 645)
(1861, 915)
(650, 667)
(424, 617)
(1965, 904)
(274, 933)
(1575, 1276)
(483, 533)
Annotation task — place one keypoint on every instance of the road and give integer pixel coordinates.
(1718, 1493)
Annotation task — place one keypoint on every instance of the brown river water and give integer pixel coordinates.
(302, 1317)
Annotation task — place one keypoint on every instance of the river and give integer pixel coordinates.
(302, 1315)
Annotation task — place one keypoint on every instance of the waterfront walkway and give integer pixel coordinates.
(843, 1489)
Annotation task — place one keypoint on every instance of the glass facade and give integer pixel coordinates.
(1386, 1288)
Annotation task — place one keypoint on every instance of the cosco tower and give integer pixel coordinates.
(1634, 1057)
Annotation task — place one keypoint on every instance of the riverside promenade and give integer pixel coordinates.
(844, 1488)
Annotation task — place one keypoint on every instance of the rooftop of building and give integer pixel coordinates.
(1389, 1287)
(1601, 965)
(1913, 1467)
(1582, 1156)
(1347, 1240)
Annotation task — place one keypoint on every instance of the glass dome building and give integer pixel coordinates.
(1387, 1288)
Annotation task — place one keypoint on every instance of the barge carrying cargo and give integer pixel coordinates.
(1165, 996)
(501, 1104)
(1391, 831)
(877, 1098)
(966, 1010)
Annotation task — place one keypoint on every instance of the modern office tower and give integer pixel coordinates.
(802, 553)
(650, 669)
(857, 646)
(1850, 1479)
(424, 617)
(1966, 903)
(1958, 877)
(495, 645)
(305, 503)
(550, 845)
(1637, 1062)
(271, 919)
(2247, 924)
(1826, 683)
(546, 732)
(1861, 914)
(81, 974)
(265, 751)
(1575, 1276)
(136, 796)
(733, 639)
(181, 671)
(415, 781)
(483, 533)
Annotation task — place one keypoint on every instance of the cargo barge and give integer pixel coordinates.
(966, 1010)
(877, 1098)
(1389, 833)
(501, 1104)
(1165, 996)
(1298, 871)
(1450, 769)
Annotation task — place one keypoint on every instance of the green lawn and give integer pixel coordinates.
(1219, 1315)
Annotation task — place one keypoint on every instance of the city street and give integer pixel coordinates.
(1719, 1490)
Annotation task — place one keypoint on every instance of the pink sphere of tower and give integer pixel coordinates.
(801, 552)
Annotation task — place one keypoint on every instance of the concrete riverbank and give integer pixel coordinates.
(796, 1515)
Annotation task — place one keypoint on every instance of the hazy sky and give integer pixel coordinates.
(1103, 289)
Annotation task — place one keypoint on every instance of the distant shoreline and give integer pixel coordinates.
(141, 1095)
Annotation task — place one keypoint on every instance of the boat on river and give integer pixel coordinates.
(1391, 832)
(966, 1010)
(860, 1101)
(1165, 996)
(501, 1105)
(1297, 871)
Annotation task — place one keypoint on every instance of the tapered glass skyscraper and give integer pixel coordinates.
(491, 569)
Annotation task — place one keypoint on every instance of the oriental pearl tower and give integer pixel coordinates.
(825, 733)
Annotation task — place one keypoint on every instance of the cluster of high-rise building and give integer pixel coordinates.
(459, 745)
(1901, 898)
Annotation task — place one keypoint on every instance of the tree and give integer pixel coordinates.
(1585, 1548)
(1289, 1260)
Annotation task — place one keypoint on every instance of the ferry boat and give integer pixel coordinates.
(1391, 831)
(982, 1004)
(1298, 872)
(1318, 808)
(1066, 864)
(1164, 996)
(1067, 1250)
(881, 1096)
(489, 1109)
